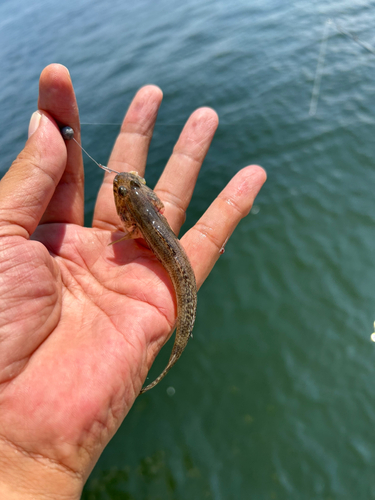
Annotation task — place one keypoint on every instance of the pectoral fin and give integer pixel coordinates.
(130, 235)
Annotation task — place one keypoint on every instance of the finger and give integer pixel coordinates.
(29, 184)
(205, 241)
(177, 182)
(56, 96)
(130, 150)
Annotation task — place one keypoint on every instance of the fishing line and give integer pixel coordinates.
(319, 70)
(117, 124)
(321, 59)
(158, 124)
(315, 91)
(355, 38)
(68, 134)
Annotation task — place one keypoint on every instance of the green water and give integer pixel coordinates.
(274, 397)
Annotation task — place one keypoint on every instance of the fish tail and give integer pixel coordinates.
(171, 362)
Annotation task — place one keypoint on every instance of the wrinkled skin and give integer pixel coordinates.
(80, 321)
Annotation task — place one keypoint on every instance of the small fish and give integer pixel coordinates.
(140, 211)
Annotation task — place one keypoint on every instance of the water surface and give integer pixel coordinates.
(274, 397)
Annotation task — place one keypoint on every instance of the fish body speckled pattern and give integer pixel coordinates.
(139, 209)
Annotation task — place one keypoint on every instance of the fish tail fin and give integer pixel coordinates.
(171, 362)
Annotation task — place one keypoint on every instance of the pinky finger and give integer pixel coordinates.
(203, 242)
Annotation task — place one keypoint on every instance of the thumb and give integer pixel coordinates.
(29, 184)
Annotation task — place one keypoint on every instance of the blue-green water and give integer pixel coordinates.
(274, 397)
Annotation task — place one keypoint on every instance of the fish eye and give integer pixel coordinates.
(122, 191)
(134, 184)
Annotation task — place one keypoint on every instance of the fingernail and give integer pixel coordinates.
(34, 122)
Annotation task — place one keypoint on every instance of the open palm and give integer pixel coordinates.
(81, 321)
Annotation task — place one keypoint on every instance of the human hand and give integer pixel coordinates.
(80, 321)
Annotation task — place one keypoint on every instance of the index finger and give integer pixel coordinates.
(56, 96)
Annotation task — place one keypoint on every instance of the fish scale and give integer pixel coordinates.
(139, 209)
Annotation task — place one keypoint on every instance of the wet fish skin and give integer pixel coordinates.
(140, 211)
